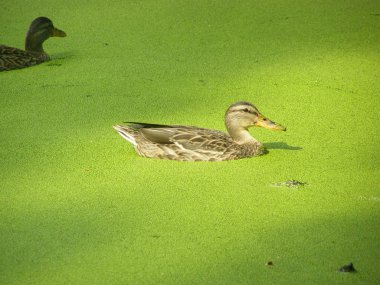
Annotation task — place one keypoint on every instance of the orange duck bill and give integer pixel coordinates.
(268, 124)
(58, 33)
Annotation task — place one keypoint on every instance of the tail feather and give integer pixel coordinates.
(124, 132)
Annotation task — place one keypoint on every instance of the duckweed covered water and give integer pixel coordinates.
(78, 206)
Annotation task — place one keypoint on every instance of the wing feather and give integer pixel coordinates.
(184, 138)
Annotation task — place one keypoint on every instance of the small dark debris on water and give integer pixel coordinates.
(289, 184)
(348, 268)
(269, 263)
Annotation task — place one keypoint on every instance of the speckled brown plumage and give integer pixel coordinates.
(14, 58)
(187, 143)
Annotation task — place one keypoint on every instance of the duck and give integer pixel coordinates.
(189, 143)
(40, 30)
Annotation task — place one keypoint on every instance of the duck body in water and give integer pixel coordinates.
(187, 143)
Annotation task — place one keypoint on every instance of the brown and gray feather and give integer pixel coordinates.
(14, 58)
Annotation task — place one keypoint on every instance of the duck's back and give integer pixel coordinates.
(14, 58)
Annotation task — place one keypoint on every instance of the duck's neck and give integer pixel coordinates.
(240, 135)
(34, 43)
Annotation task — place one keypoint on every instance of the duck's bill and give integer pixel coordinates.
(268, 124)
(58, 33)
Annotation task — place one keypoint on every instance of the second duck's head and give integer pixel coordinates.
(242, 115)
(40, 30)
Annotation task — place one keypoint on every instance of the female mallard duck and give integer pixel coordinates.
(39, 31)
(198, 144)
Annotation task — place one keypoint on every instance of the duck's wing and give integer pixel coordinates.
(153, 132)
(13, 58)
(202, 140)
(138, 125)
(184, 137)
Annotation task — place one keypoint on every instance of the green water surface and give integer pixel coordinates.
(78, 206)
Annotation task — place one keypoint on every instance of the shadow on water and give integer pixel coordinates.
(63, 55)
(281, 145)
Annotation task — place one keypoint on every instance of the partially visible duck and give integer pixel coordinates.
(40, 30)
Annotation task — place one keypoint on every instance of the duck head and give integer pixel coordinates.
(40, 30)
(242, 115)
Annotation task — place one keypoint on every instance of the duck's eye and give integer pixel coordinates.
(246, 110)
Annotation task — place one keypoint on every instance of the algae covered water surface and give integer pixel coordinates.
(78, 206)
